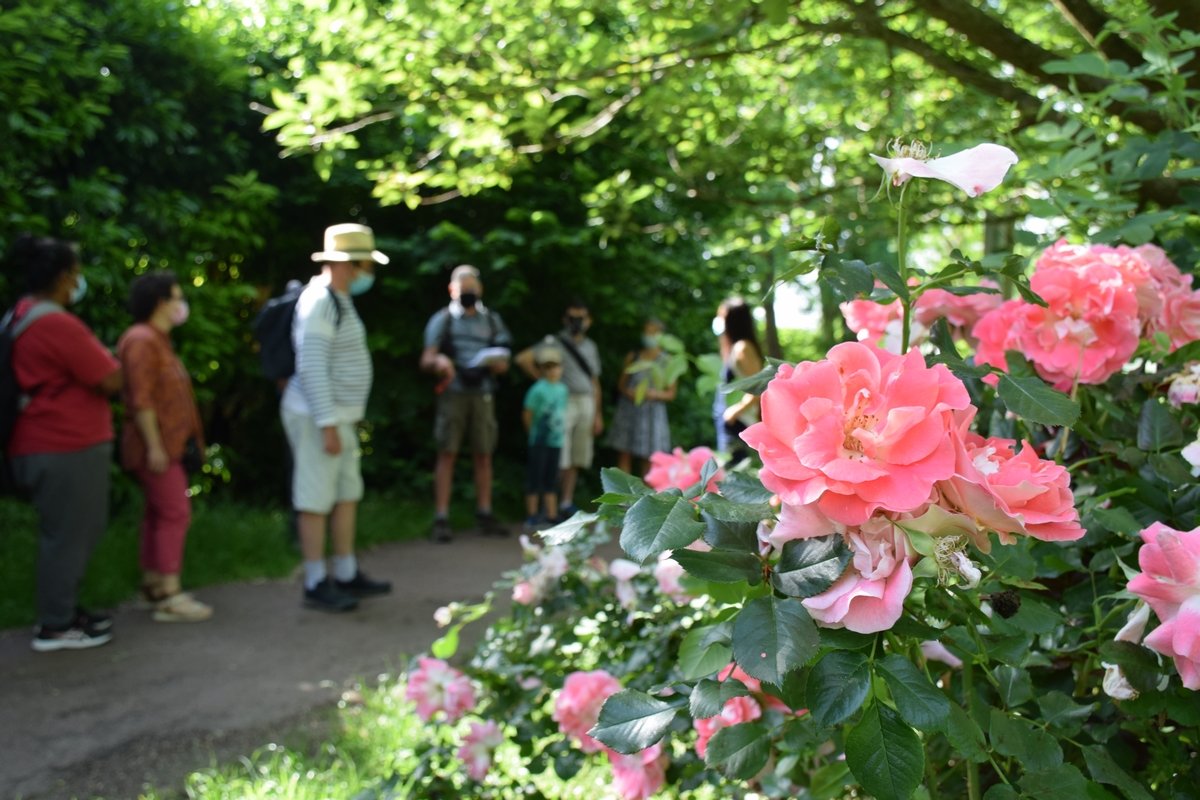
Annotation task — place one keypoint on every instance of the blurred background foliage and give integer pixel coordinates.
(651, 159)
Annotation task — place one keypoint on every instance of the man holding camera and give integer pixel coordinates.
(466, 347)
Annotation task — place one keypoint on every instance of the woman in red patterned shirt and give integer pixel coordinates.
(160, 420)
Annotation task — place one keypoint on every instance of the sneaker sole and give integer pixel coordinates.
(315, 606)
(50, 645)
(163, 616)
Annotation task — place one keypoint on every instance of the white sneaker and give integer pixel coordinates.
(181, 607)
(73, 638)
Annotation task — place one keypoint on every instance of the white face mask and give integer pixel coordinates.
(718, 326)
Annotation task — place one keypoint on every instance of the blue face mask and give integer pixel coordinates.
(362, 282)
(80, 289)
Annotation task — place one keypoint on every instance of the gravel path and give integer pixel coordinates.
(163, 699)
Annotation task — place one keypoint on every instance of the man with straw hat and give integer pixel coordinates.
(323, 402)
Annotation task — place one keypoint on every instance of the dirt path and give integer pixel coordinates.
(163, 699)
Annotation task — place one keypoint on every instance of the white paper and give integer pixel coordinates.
(489, 354)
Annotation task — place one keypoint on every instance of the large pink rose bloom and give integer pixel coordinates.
(1010, 492)
(639, 775)
(869, 596)
(436, 686)
(680, 470)
(862, 430)
(1170, 585)
(577, 707)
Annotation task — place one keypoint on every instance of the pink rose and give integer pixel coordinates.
(869, 320)
(735, 711)
(1010, 492)
(577, 706)
(1185, 386)
(862, 430)
(638, 775)
(869, 596)
(668, 572)
(680, 470)
(999, 331)
(960, 313)
(436, 686)
(524, 593)
(801, 522)
(1180, 319)
(1170, 584)
(477, 747)
(936, 651)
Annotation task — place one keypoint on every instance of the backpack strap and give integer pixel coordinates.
(37, 311)
(446, 342)
(575, 354)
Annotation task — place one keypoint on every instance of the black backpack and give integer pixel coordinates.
(273, 330)
(12, 399)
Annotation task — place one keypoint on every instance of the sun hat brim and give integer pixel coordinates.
(351, 255)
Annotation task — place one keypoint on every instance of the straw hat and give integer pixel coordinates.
(350, 242)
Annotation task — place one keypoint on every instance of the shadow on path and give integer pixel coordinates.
(162, 699)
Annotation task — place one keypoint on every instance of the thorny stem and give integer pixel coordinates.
(902, 267)
(968, 696)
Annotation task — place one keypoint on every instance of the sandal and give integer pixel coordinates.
(181, 607)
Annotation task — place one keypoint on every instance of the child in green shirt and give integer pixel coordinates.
(544, 414)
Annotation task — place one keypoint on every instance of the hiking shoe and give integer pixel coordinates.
(566, 512)
(441, 532)
(490, 526)
(73, 637)
(325, 596)
(534, 524)
(96, 623)
(181, 607)
(362, 586)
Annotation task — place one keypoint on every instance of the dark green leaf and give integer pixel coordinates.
(756, 383)
(965, 735)
(772, 637)
(721, 566)
(1016, 738)
(659, 522)
(621, 487)
(920, 703)
(1061, 712)
(837, 686)
(1032, 399)
(569, 530)
(725, 510)
(631, 721)
(1001, 791)
(1063, 782)
(740, 751)
(704, 651)
(793, 690)
(1016, 687)
(738, 487)
(846, 279)
(707, 471)
(889, 276)
(1035, 617)
(885, 754)
(1137, 663)
(1157, 428)
(1104, 769)
(730, 535)
(709, 696)
(810, 566)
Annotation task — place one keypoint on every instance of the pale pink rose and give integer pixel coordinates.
(1163, 272)
(869, 596)
(680, 470)
(975, 170)
(1170, 584)
(524, 593)
(668, 572)
(477, 747)
(639, 775)
(1191, 454)
(1010, 492)
(436, 686)
(1185, 386)
(577, 706)
(936, 651)
(735, 711)
(801, 522)
(861, 431)
(870, 320)
(623, 571)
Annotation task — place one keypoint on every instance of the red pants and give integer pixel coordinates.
(166, 519)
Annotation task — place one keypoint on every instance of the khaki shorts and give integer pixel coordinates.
(319, 480)
(469, 414)
(578, 433)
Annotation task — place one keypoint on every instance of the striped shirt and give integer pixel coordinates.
(333, 366)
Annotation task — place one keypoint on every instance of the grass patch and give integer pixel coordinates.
(228, 541)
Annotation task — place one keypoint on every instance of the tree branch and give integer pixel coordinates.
(1089, 21)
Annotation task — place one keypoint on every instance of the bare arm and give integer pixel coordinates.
(156, 455)
(524, 360)
(437, 362)
(112, 382)
(598, 422)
